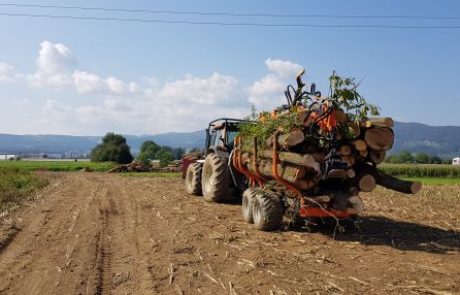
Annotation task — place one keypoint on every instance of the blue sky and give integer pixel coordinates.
(90, 77)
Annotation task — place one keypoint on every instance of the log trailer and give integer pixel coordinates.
(287, 179)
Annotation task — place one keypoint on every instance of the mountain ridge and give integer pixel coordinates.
(414, 137)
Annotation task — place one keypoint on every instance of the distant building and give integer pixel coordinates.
(8, 157)
(456, 161)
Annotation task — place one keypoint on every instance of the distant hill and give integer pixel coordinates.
(443, 141)
(59, 144)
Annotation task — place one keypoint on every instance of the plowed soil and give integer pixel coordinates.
(90, 233)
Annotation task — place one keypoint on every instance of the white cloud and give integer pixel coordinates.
(54, 106)
(186, 104)
(117, 105)
(147, 106)
(116, 86)
(268, 92)
(86, 82)
(56, 68)
(283, 68)
(215, 89)
(7, 72)
(55, 58)
(54, 65)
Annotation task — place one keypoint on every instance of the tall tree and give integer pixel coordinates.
(149, 149)
(112, 149)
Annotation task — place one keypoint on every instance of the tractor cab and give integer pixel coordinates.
(220, 134)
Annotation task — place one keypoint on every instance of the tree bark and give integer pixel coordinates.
(308, 161)
(379, 122)
(291, 139)
(399, 185)
(391, 182)
(379, 139)
(289, 173)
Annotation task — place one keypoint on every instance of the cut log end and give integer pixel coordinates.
(366, 183)
(416, 187)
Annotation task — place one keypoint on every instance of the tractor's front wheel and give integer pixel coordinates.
(215, 180)
(267, 211)
(193, 179)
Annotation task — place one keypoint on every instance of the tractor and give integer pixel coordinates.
(212, 174)
(310, 168)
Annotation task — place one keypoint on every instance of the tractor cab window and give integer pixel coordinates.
(212, 137)
(231, 137)
(218, 139)
(232, 131)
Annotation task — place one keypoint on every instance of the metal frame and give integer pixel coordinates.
(226, 121)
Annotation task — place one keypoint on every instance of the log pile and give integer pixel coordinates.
(139, 167)
(130, 167)
(322, 150)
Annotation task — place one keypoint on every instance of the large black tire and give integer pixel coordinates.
(215, 180)
(193, 179)
(267, 211)
(248, 204)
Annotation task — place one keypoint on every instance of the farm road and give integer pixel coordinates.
(90, 233)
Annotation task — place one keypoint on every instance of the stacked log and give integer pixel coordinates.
(349, 164)
(130, 167)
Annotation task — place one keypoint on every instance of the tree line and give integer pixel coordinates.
(114, 148)
(406, 157)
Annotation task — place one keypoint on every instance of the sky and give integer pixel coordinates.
(87, 77)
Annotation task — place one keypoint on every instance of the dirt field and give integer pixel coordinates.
(90, 233)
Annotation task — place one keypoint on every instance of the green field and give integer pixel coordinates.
(421, 170)
(16, 185)
(56, 165)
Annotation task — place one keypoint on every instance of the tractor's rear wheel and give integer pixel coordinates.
(267, 211)
(193, 179)
(215, 180)
(248, 204)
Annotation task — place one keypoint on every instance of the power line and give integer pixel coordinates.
(140, 20)
(233, 14)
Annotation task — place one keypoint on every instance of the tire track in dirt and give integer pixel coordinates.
(109, 234)
(103, 246)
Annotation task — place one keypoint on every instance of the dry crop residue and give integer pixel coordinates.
(96, 233)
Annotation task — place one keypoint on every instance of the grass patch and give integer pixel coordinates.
(421, 170)
(24, 165)
(16, 185)
(435, 180)
(153, 174)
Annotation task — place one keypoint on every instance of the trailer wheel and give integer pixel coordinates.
(193, 179)
(248, 204)
(215, 181)
(267, 211)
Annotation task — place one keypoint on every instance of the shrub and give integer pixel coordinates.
(112, 149)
